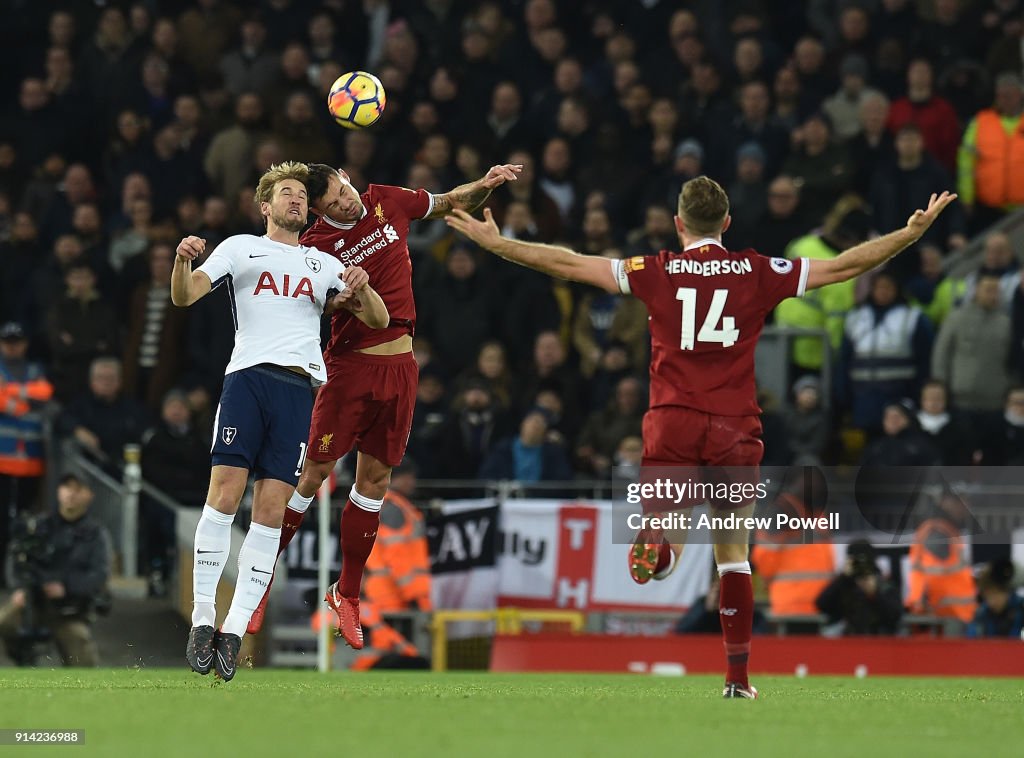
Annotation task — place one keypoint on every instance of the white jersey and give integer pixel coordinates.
(278, 293)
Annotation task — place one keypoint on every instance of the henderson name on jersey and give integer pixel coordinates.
(707, 308)
(278, 293)
(377, 243)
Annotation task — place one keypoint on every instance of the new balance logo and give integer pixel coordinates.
(729, 611)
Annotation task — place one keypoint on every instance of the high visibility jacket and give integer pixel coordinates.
(999, 162)
(940, 581)
(396, 577)
(795, 573)
(21, 420)
(822, 308)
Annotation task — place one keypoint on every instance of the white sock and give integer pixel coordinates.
(740, 567)
(364, 502)
(256, 562)
(298, 503)
(212, 546)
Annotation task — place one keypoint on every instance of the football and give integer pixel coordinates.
(356, 100)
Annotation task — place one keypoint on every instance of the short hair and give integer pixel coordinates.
(703, 206)
(318, 180)
(279, 172)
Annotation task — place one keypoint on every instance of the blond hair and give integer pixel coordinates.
(703, 206)
(279, 172)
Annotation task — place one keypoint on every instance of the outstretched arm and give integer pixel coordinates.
(867, 255)
(360, 298)
(187, 285)
(549, 259)
(469, 197)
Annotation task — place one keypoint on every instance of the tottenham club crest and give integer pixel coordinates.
(228, 434)
(314, 265)
(781, 265)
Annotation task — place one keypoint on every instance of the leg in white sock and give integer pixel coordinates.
(212, 546)
(255, 567)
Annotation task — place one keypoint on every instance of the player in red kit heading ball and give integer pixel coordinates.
(370, 393)
(707, 307)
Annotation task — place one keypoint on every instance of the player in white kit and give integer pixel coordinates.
(279, 290)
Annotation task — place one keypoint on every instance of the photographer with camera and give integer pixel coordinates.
(60, 565)
(860, 597)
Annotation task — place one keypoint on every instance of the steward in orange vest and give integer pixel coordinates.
(396, 578)
(795, 572)
(941, 582)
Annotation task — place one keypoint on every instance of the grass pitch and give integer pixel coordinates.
(158, 712)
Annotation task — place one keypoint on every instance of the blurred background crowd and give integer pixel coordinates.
(129, 125)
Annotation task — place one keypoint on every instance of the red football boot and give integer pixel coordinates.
(347, 609)
(650, 557)
(256, 620)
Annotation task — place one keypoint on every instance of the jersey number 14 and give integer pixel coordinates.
(716, 328)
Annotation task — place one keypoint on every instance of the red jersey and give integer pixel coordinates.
(707, 308)
(377, 243)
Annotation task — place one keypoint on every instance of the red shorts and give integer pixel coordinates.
(367, 403)
(678, 438)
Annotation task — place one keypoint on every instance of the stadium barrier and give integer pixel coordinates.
(504, 621)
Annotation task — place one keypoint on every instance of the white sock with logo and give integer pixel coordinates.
(212, 546)
(256, 562)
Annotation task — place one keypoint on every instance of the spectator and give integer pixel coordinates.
(998, 261)
(1004, 435)
(789, 102)
(628, 458)
(930, 289)
(972, 351)
(901, 443)
(885, 352)
(492, 367)
(748, 201)
(603, 320)
(658, 233)
(860, 598)
(205, 31)
(1001, 610)
(557, 177)
(527, 189)
(429, 419)
(820, 166)
(704, 616)
(528, 457)
(155, 340)
(74, 570)
(844, 107)
(250, 67)
(753, 124)
(229, 157)
(872, 147)
(21, 256)
(460, 314)
(782, 222)
(299, 134)
(293, 77)
(663, 189)
(897, 190)
(102, 421)
(806, 424)
(551, 370)
(35, 125)
(474, 426)
(987, 184)
(932, 114)
(950, 433)
(175, 460)
(80, 326)
(606, 428)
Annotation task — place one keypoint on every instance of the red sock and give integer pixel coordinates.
(358, 533)
(289, 528)
(736, 609)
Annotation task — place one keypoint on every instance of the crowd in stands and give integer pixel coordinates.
(132, 124)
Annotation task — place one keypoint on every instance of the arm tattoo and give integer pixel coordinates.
(467, 197)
